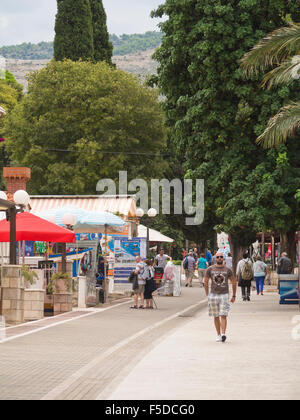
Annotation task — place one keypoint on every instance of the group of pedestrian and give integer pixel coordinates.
(201, 263)
(143, 280)
(247, 272)
(215, 270)
(258, 271)
(220, 274)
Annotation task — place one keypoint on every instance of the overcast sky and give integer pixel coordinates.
(33, 20)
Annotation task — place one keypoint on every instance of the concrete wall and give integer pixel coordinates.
(62, 303)
(12, 294)
(33, 304)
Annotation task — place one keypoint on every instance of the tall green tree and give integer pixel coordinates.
(11, 93)
(103, 48)
(281, 49)
(214, 114)
(73, 31)
(81, 122)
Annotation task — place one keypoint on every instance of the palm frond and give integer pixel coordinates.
(273, 49)
(287, 71)
(281, 126)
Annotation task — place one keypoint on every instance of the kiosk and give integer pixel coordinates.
(289, 284)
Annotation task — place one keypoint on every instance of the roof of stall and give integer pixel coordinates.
(154, 235)
(124, 205)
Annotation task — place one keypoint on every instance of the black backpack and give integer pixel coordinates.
(132, 277)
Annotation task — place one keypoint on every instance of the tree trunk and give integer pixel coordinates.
(288, 245)
(284, 243)
(237, 251)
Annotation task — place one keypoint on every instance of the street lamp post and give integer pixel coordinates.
(21, 199)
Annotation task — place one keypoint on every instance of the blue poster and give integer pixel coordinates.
(126, 251)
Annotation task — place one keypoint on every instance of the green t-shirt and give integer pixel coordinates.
(202, 263)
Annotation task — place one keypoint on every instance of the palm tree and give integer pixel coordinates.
(280, 48)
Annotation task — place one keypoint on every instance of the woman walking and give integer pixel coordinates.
(260, 273)
(150, 286)
(202, 266)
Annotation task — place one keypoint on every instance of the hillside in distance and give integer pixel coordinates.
(123, 45)
(139, 64)
(132, 53)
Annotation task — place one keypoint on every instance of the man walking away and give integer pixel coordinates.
(218, 297)
(245, 274)
(189, 267)
(285, 265)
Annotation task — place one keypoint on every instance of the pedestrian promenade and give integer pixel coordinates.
(260, 360)
(85, 354)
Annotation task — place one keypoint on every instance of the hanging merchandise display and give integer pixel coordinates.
(40, 248)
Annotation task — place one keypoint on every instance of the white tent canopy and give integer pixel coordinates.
(154, 235)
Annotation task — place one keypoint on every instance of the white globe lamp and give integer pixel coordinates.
(69, 219)
(140, 212)
(21, 198)
(152, 212)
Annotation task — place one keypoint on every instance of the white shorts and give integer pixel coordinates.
(218, 305)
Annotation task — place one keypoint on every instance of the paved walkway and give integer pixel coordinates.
(85, 355)
(260, 360)
(116, 353)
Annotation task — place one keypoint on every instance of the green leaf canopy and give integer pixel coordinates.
(215, 115)
(81, 122)
(74, 30)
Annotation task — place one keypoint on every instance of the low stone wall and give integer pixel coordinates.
(12, 295)
(33, 304)
(62, 303)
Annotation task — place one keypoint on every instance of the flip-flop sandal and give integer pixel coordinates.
(133, 307)
(141, 307)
